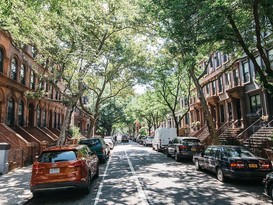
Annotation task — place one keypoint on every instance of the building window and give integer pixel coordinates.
(38, 116)
(227, 77)
(246, 72)
(255, 103)
(10, 120)
(44, 118)
(217, 59)
(23, 74)
(21, 113)
(220, 84)
(32, 80)
(213, 88)
(236, 77)
(207, 88)
(1, 60)
(225, 58)
(13, 69)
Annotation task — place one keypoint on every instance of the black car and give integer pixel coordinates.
(233, 162)
(184, 147)
(124, 138)
(268, 181)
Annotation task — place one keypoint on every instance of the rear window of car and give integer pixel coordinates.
(90, 141)
(190, 141)
(57, 156)
(238, 152)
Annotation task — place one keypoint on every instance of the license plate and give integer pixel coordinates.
(193, 149)
(253, 166)
(54, 171)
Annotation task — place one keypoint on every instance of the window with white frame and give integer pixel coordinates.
(227, 79)
(13, 69)
(207, 89)
(255, 103)
(213, 88)
(220, 84)
(246, 72)
(23, 74)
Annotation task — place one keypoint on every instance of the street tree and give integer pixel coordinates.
(69, 39)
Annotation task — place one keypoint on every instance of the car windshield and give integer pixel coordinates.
(57, 156)
(90, 141)
(238, 152)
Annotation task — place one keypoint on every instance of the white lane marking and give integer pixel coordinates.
(101, 183)
(141, 192)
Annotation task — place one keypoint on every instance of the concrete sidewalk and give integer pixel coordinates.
(14, 186)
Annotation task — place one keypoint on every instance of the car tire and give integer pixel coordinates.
(87, 189)
(168, 154)
(197, 165)
(176, 157)
(97, 172)
(220, 175)
(270, 191)
(36, 194)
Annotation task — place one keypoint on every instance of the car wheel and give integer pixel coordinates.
(87, 189)
(36, 194)
(197, 165)
(97, 172)
(168, 154)
(176, 157)
(220, 175)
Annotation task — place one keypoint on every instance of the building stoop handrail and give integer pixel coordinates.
(245, 134)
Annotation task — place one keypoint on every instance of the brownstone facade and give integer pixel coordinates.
(28, 125)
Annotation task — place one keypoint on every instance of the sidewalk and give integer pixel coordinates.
(14, 186)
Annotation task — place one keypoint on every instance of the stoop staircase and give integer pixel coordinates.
(260, 139)
(229, 136)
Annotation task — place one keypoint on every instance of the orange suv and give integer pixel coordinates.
(64, 167)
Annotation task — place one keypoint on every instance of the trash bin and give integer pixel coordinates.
(4, 153)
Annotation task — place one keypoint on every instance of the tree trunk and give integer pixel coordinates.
(208, 116)
(65, 126)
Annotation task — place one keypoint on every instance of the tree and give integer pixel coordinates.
(70, 39)
(150, 110)
(111, 114)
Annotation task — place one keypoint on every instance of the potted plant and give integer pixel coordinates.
(75, 133)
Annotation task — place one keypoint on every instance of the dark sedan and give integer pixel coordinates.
(233, 162)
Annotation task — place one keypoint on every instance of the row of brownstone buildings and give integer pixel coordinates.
(28, 124)
(240, 107)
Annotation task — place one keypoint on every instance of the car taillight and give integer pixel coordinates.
(266, 165)
(182, 147)
(238, 164)
(78, 163)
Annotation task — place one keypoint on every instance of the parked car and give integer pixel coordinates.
(64, 167)
(110, 142)
(110, 137)
(148, 141)
(268, 181)
(140, 139)
(97, 145)
(233, 162)
(124, 138)
(184, 147)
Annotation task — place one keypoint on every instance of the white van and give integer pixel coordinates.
(162, 138)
